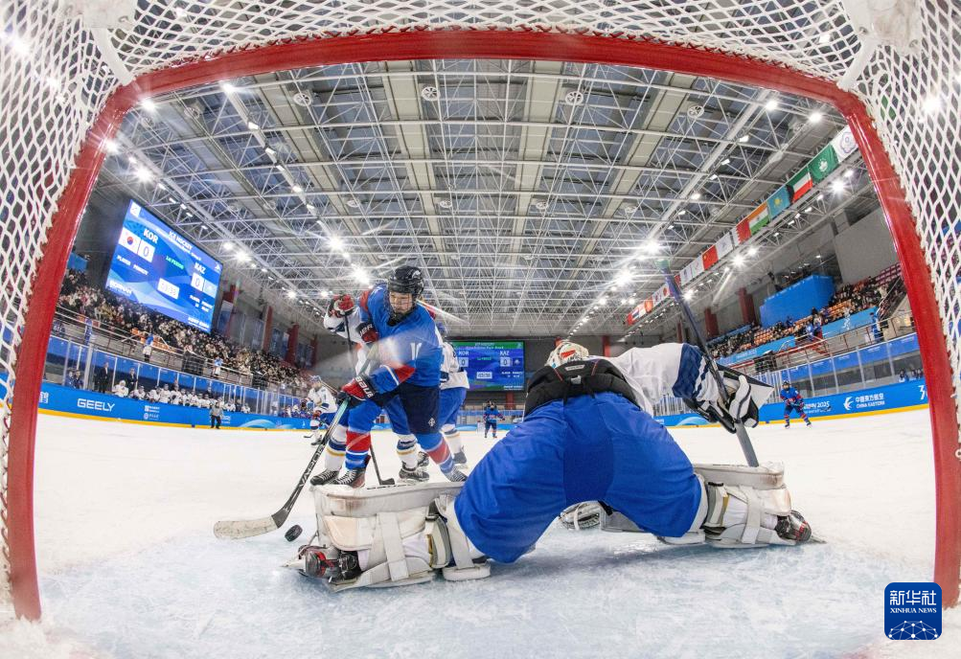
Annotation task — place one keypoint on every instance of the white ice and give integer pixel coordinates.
(130, 568)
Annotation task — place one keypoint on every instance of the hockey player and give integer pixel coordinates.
(453, 391)
(409, 368)
(793, 401)
(584, 437)
(120, 389)
(491, 414)
(323, 408)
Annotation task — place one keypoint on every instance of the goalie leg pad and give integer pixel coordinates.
(463, 553)
(740, 507)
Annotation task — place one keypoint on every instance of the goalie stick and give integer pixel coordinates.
(746, 447)
(236, 529)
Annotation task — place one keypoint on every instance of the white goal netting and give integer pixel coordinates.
(58, 69)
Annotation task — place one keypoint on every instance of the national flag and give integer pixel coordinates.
(823, 164)
(743, 231)
(636, 314)
(844, 144)
(709, 257)
(800, 184)
(758, 218)
(724, 246)
(648, 305)
(778, 201)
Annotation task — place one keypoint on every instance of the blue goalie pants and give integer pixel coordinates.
(591, 449)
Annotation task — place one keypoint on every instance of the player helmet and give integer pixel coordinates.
(785, 385)
(407, 279)
(566, 352)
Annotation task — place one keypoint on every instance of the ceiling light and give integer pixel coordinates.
(227, 87)
(696, 196)
(726, 161)
(269, 151)
(739, 261)
(361, 275)
(652, 246)
(824, 39)
(19, 46)
(752, 251)
(771, 105)
(252, 126)
(713, 177)
(430, 93)
(131, 160)
(292, 295)
(243, 258)
(296, 188)
(623, 300)
(54, 83)
(688, 295)
(148, 105)
(837, 187)
(744, 139)
(820, 197)
(228, 247)
(849, 173)
(143, 175)
(336, 242)
(110, 146)
(815, 117)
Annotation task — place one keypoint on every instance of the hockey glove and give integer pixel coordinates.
(340, 306)
(356, 391)
(368, 333)
(741, 403)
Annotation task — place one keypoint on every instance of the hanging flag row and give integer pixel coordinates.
(815, 171)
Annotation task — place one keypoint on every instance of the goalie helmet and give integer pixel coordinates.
(567, 352)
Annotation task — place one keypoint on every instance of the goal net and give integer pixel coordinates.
(70, 70)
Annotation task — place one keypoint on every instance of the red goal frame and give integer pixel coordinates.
(476, 44)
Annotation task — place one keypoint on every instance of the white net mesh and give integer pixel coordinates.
(54, 80)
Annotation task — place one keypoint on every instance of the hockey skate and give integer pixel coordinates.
(352, 477)
(807, 421)
(460, 458)
(793, 527)
(324, 477)
(455, 475)
(422, 459)
(415, 475)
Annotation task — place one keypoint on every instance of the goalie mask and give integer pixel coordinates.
(567, 352)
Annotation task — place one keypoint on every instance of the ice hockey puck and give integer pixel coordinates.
(293, 533)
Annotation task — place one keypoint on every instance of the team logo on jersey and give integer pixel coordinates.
(431, 422)
(912, 611)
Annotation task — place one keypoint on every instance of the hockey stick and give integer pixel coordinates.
(746, 447)
(247, 528)
(373, 456)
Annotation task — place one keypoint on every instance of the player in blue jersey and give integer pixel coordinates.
(491, 414)
(793, 401)
(587, 435)
(407, 366)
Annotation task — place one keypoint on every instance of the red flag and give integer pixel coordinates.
(709, 257)
(743, 230)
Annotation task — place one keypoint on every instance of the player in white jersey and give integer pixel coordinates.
(453, 391)
(120, 389)
(323, 409)
(165, 394)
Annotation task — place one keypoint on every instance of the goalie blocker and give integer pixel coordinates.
(396, 536)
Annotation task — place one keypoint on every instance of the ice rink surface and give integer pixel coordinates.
(130, 568)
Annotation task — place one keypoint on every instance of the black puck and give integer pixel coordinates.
(293, 533)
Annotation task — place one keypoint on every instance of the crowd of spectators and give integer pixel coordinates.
(846, 301)
(155, 331)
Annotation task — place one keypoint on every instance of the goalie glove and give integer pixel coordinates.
(356, 391)
(340, 306)
(741, 402)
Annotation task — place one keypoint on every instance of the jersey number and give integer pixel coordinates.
(415, 350)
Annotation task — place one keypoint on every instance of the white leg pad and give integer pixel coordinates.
(463, 552)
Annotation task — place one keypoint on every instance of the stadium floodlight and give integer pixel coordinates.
(752, 251)
(771, 105)
(143, 174)
(148, 105)
(336, 242)
(291, 295)
(228, 246)
(815, 117)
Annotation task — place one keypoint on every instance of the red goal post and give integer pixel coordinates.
(62, 98)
